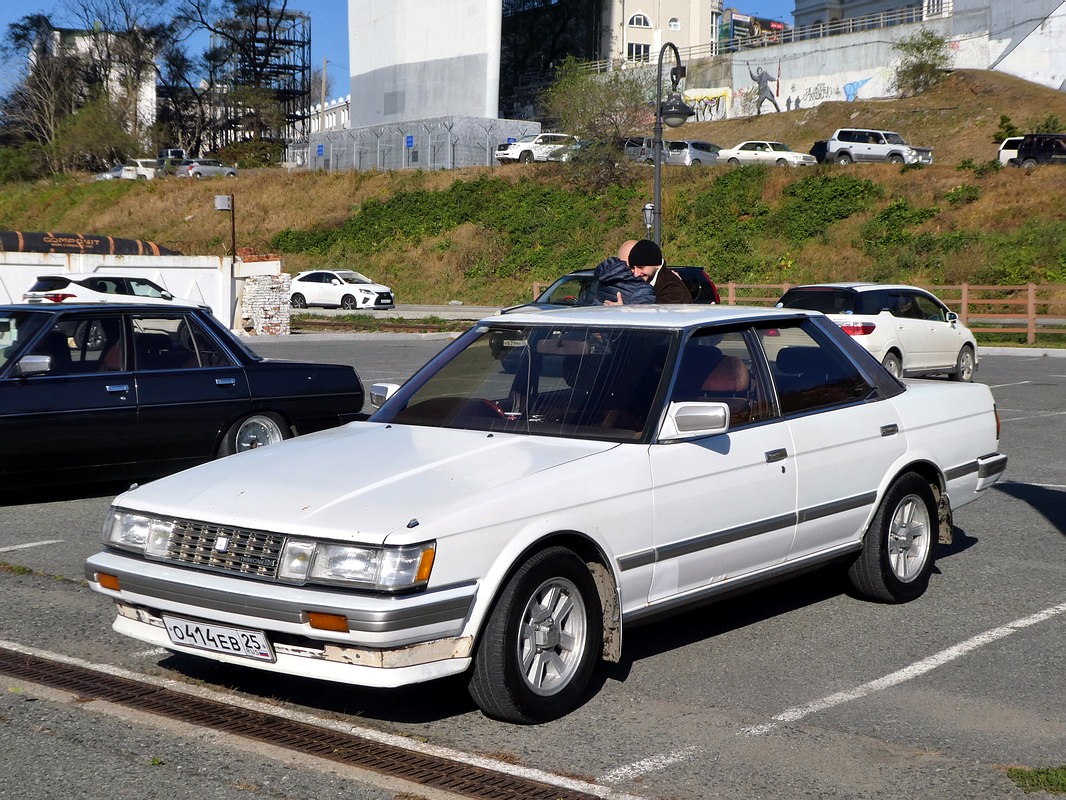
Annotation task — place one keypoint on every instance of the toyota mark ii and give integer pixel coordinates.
(509, 524)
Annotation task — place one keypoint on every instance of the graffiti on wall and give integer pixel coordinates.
(709, 104)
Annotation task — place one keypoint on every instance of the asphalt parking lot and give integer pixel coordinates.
(795, 691)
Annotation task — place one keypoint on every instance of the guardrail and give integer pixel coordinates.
(1026, 308)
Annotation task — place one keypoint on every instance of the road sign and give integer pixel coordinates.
(410, 141)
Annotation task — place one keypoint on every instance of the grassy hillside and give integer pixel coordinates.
(485, 235)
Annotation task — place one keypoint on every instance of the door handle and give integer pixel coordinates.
(776, 455)
(889, 430)
(225, 382)
(118, 388)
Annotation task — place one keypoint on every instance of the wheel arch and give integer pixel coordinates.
(227, 425)
(599, 566)
(931, 474)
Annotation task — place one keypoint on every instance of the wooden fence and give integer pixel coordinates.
(1028, 308)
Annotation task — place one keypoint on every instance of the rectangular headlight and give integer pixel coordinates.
(381, 568)
(137, 532)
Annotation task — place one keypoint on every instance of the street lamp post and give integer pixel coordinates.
(673, 112)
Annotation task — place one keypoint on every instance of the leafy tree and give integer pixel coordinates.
(1006, 130)
(924, 60)
(599, 106)
(1050, 124)
(93, 137)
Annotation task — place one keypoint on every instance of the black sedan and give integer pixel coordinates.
(93, 392)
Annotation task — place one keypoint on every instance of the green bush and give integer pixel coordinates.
(963, 194)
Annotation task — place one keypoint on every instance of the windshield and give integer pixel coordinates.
(894, 138)
(349, 276)
(574, 381)
(16, 327)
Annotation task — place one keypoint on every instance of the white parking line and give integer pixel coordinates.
(28, 545)
(638, 768)
(1001, 385)
(907, 673)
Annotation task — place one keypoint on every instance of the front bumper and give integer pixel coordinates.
(390, 641)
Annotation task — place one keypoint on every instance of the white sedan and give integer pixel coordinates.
(338, 288)
(765, 153)
(546, 481)
(906, 328)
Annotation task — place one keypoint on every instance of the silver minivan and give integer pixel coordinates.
(690, 153)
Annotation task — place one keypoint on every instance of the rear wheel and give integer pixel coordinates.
(734, 162)
(541, 642)
(900, 545)
(256, 430)
(1029, 163)
(843, 159)
(964, 365)
(348, 302)
(298, 301)
(892, 363)
(696, 162)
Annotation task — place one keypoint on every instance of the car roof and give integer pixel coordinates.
(666, 317)
(77, 276)
(858, 286)
(55, 308)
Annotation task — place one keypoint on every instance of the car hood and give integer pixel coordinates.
(360, 482)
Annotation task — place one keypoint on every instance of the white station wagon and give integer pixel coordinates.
(546, 481)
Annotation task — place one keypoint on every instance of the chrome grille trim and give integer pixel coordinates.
(238, 550)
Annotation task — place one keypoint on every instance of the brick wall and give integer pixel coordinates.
(265, 305)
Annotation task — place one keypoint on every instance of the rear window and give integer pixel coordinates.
(834, 300)
(50, 284)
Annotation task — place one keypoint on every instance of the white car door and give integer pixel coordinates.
(941, 340)
(843, 442)
(724, 505)
(316, 288)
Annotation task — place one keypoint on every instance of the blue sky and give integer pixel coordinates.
(329, 32)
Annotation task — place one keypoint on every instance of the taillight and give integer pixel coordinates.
(59, 297)
(858, 328)
(999, 424)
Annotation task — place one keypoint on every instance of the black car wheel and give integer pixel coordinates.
(541, 642)
(900, 545)
(843, 159)
(964, 365)
(895, 160)
(298, 301)
(255, 430)
(525, 157)
(348, 302)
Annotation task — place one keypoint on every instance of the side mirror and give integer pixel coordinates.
(953, 317)
(380, 392)
(690, 420)
(336, 282)
(33, 365)
(167, 296)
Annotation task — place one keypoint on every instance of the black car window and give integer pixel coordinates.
(83, 343)
(827, 299)
(175, 341)
(50, 283)
(810, 372)
(718, 367)
(15, 328)
(929, 309)
(871, 302)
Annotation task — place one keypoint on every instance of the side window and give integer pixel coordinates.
(810, 372)
(168, 342)
(718, 367)
(83, 344)
(929, 309)
(144, 288)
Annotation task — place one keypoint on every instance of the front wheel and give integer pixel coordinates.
(348, 302)
(964, 365)
(900, 545)
(541, 642)
(256, 430)
(897, 160)
(892, 363)
(781, 162)
(298, 301)
(525, 157)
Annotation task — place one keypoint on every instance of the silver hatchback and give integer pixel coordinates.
(203, 168)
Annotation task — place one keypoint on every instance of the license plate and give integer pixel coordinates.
(219, 638)
(514, 342)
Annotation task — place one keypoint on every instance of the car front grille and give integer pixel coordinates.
(383, 299)
(252, 553)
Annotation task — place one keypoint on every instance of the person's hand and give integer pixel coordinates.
(617, 302)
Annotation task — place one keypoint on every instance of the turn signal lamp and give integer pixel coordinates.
(108, 581)
(328, 622)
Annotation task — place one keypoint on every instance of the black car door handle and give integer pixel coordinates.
(889, 430)
(118, 388)
(225, 382)
(776, 455)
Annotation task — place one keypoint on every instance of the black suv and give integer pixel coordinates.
(578, 288)
(1041, 148)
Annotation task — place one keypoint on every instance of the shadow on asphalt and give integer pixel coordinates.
(1051, 503)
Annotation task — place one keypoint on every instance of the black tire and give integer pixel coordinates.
(892, 363)
(964, 365)
(348, 302)
(781, 162)
(298, 301)
(198, 175)
(897, 160)
(525, 157)
(255, 430)
(523, 629)
(734, 162)
(696, 162)
(843, 159)
(1029, 163)
(900, 545)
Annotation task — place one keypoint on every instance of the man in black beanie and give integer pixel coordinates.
(646, 261)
